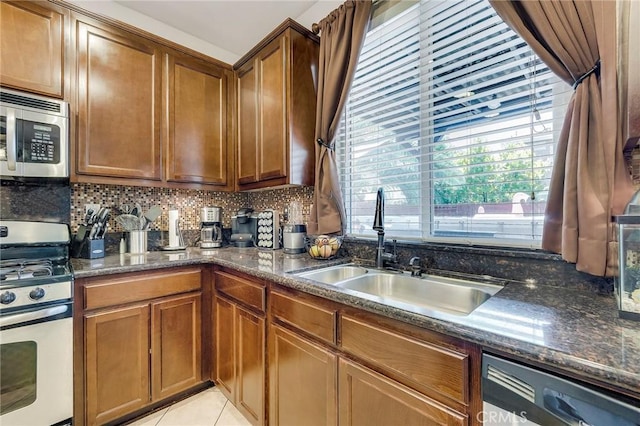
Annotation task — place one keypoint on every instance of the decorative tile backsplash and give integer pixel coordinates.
(188, 202)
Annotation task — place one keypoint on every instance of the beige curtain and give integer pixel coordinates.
(590, 181)
(341, 38)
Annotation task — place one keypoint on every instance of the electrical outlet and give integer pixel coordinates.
(94, 207)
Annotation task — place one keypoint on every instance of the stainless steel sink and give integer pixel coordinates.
(334, 274)
(419, 294)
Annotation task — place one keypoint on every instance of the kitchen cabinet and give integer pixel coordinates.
(138, 341)
(368, 398)
(240, 343)
(359, 368)
(198, 149)
(117, 362)
(149, 114)
(276, 92)
(294, 360)
(432, 376)
(119, 103)
(175, 345)
(33, 46)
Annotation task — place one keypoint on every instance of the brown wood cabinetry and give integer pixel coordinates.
(116, 362)
(429, 367)
(139, 346)
(240, 343)
(276, 109)
(197, 144)
(376, 370)
(175, 345)
(149, 114)
(368, 398)
(119, 103)
(302, 381)
(32, 46)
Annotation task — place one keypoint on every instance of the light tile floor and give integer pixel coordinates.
(207, 408)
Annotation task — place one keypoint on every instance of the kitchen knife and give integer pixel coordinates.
(103, 218)
(104, 224)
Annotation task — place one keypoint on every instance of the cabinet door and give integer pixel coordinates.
(119, 103)
(32, 47)
(302, 381)
(225, 348)
(116, 362)
(197, 121)
(273, 140)
(247, 122)
(368, 398)
(251, 366)
(175, 345)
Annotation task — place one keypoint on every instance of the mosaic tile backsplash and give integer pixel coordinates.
(188, 202)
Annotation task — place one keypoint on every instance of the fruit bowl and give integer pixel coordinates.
(323, 246)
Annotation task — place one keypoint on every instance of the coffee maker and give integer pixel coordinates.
(211, 227)
(244, 228)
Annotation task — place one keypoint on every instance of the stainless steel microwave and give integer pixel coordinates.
(34, 136)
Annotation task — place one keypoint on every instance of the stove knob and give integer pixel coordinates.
(37, 293)
(7, 297)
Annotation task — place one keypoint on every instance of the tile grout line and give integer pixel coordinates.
(163, 414)
(221, 411)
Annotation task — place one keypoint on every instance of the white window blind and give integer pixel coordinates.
(455, 117)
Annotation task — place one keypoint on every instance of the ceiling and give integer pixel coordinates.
(233, 25)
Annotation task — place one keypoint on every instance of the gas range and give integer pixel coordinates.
(34, 268)
(36, 326)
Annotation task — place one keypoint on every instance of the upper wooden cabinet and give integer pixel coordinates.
(276, 86)
(119, 103)
(32, 46)
(196, 135)
(149, 114)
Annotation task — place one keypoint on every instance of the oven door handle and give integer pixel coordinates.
(33, 316)
(12, 144)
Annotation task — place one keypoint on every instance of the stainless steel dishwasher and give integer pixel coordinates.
(514, 394)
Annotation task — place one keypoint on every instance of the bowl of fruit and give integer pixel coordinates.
(323, 246)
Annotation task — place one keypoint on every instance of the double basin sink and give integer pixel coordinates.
(427, 294)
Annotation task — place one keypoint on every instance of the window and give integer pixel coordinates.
(455, 117)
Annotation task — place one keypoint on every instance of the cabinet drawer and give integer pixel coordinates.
(114, 290)
(242, 290)
(423, 365)
(313, 319)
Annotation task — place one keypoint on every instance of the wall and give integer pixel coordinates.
(188, 202)
(42, 201)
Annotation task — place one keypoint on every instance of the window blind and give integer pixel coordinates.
(455, 117)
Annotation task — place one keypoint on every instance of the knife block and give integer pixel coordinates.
(85, 248)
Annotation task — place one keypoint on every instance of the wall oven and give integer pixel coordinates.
(36, 329)
(34, 136)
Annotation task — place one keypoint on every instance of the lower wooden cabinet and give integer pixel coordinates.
(330, 364)
(117, 362)
(369, 398)
(302, 381)
(240, 358)
(175, 345)
(137, 340)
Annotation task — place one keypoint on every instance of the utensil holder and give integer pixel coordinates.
(137, 242)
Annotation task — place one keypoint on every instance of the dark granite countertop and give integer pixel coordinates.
(564, 328)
